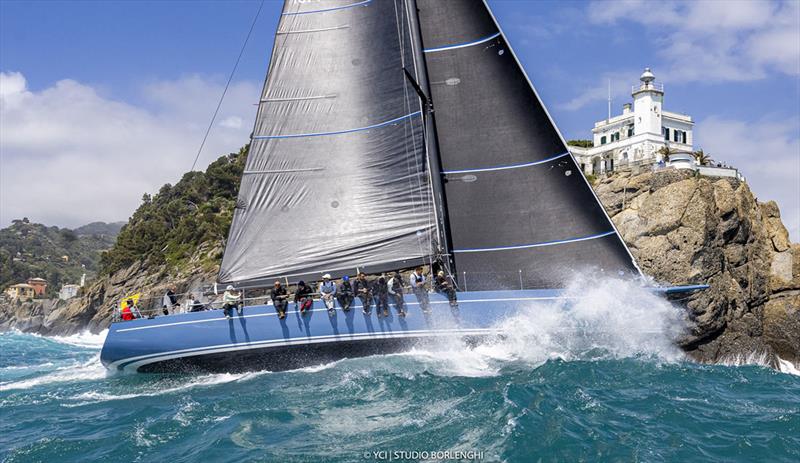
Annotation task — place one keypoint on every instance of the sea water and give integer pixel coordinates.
(596, 379)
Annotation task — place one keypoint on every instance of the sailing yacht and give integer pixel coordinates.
(390, 134)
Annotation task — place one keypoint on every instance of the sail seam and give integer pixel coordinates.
(327, 9)
(537, 245)
(282, 171)
(304, 31)
(298, 98)
(515, 166)
(339, 132)
(462, 45)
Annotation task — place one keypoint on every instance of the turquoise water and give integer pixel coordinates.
(597, 380)
(58, 404)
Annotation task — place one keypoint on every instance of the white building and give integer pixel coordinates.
(68, 292)
(634, 137)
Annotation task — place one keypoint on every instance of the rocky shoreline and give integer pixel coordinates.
(682, 229)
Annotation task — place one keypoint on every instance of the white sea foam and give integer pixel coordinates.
(788, 367)
(162, 387)
(88, 371)
(599, 319)
(84, 339)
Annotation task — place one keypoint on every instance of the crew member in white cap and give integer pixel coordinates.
(327, 291)
(231, 299)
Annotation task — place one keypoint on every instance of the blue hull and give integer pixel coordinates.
(207, 341)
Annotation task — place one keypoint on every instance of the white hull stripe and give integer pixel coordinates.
(273, 314)
(134, 363)
(461, 45)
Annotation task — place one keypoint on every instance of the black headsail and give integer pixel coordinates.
(336, 178)
(521, 214)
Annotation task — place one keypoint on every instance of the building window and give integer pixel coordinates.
(683, 137)
(630, 130)
(603, 140)
(679, 136)
(614, 137)
(665, 130)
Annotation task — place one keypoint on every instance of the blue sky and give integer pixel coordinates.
(108, 100)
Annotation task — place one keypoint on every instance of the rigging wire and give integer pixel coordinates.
(227, 84)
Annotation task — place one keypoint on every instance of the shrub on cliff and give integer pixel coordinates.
(169, 226)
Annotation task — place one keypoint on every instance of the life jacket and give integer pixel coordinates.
(327, 288)
(127, 314)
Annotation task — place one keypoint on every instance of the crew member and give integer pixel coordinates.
(279, 299)
(444, 285)
(395, 285)
(344, 294)
(327, 291)
(364, 292)
(130, 311)
(417, 280)
(302, 297)
(231, 299)
(169, 301)
(380, 290)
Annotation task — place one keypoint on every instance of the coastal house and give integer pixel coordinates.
(636, 137)
(39, 285)
(20, 291)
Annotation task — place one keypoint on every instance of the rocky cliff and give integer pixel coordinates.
(684, 228)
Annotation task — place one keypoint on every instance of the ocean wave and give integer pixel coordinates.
(162, 387)
(600, 319)
(88, 371)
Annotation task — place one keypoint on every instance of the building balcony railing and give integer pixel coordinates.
(651, 86)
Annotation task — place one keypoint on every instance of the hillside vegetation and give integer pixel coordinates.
(167, 229)
(59, 255)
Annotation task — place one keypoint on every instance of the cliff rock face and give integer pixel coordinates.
(688, 229)
(94, 309)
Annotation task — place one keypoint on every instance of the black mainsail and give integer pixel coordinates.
(521, 214)
(348, 168)
(336, 176)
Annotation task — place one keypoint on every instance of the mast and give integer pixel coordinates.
(431, 141)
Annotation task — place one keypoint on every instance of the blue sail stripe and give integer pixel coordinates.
(327, 9)
(462, 45)
(338, 132)
(536, 245)
(515, 166)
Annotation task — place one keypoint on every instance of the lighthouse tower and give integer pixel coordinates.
(647, 101)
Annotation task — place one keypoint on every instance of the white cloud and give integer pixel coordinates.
(714, 41)
(767, 152)
(69, 156)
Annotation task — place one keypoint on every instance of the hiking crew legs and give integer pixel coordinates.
(227, 309)
(366, 301)
(399, 303)
(424, 301)
(280, 307)
(345, 302)
(382, 305)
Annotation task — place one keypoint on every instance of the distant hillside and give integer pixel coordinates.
(100, 228)
(58, 255)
